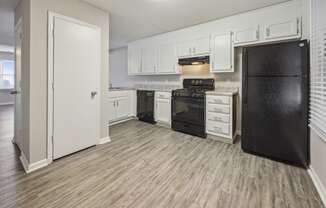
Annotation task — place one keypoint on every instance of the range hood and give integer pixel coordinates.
(194, 60)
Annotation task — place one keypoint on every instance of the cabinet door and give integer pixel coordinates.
(222, 54)
(185, 49)
(148, 60)
(283, 29)
(134, 60)
(246, 35)
(163, 110)
(167, 59)
(122, 108)
(201, 46)
(112, 111)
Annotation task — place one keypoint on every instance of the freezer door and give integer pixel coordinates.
(275, 119)
(282, 59)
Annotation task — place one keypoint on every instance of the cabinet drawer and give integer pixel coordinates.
(216, 108)
(163, 95)
(218, 117)
(218, 128)
(218, 100)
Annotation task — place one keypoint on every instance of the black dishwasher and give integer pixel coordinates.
(145, 106)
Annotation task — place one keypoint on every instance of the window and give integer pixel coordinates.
(318, 69)
(7, 74)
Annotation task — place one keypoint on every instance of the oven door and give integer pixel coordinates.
(188, 110)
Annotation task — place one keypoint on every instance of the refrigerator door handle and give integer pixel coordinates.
(245, 76)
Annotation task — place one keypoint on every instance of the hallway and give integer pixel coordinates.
(9, 153)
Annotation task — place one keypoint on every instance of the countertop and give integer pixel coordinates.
(121, 89)
(141, 88)
(217, 91)
(224, 91)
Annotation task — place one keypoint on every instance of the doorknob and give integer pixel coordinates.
(93, 94)
(14, 92)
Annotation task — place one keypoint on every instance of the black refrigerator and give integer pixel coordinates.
(275, 102)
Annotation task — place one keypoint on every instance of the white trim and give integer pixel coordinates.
(318, 184)
(50, 69)
(238, 132)
(10, 103)
(30, 167)
(104, 140)
(121, 121)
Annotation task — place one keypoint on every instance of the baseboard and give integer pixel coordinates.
(105, 140)
(33, 166)
(121, 121)
(318, 184)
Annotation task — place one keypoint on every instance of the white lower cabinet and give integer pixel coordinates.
(220, 117)
(119, 105)
(163, 107)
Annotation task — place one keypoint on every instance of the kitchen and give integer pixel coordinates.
(213, 50)
(166, 103)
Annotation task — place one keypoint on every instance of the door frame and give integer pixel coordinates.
(18, 27)
(50, 70)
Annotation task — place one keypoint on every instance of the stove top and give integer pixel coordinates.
(194, 88)
(195, 93)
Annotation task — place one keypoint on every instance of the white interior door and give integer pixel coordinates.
(18, 120)
(77, 52)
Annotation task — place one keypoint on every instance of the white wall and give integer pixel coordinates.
(35, 28)
(5, 97)
(118, 68)
(7, 26)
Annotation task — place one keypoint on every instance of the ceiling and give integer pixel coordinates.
(134, 19)
(7, 8)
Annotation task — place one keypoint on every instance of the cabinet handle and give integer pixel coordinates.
(218, 119)
(257, 34)
(117, 103)
(194, 50)
(218, 129)
(218, 101)
(268, 31)
(298, 26)
(218, 110)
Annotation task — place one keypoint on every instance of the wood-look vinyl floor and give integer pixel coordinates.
(148, 166)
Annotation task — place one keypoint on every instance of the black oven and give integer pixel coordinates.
(188, 115)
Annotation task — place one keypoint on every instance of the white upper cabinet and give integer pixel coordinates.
(201, 46)
(134, 60)
(269, 24)
(148, 64)
(167, 59)
(222, 53)
(284, 29)
(195, 47)
(246, 35)
(185, 48)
